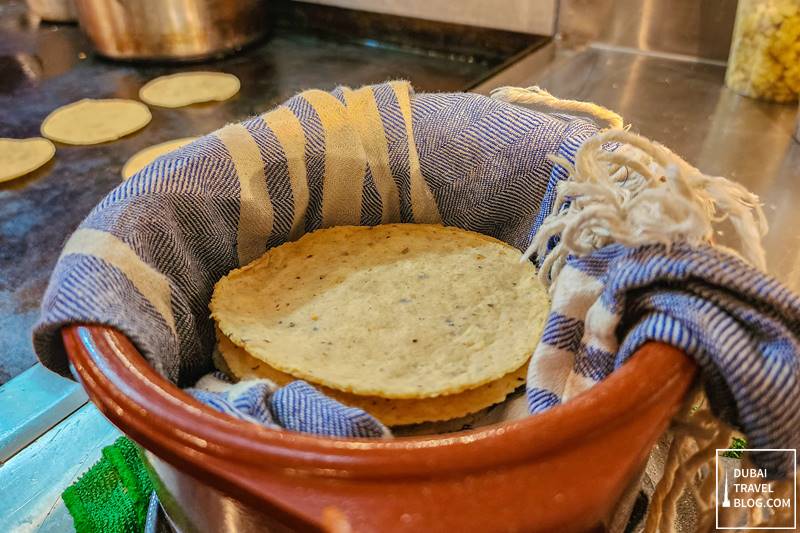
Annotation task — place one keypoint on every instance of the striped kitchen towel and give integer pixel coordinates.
(145, 260)
(741, 326)
(297, 406)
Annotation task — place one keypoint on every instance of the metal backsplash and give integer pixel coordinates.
(696, 28)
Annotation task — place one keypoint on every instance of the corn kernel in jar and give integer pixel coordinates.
(765, 54)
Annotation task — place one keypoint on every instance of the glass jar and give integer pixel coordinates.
(797, 126)
(765, 53)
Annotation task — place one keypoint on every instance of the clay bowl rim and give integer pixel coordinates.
(163, 418)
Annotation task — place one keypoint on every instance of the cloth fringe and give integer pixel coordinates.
(536, 96)
(642, 193)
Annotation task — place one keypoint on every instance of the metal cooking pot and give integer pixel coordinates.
(171, 29)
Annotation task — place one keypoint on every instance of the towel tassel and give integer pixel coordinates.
(642, 193)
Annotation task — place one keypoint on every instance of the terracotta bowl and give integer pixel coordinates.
(563, 470)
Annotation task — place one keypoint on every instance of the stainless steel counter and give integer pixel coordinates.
(684, 105)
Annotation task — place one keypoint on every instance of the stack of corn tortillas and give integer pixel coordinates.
(410, 322)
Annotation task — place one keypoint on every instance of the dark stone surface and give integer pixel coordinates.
(46, 66)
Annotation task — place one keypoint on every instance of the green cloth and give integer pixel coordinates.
(112, 497)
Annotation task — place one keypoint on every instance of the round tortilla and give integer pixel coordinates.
(187, 88)
(396, 311)
(145, 156)
(22, 156)
(91, 121)
(238, 363)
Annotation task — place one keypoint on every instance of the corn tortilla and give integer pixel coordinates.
(396, 311)
(187, 88)
(238, 363)
(91, 121)
(22, 156)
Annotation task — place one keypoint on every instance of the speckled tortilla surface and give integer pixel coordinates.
(396, 311)
(392, 412)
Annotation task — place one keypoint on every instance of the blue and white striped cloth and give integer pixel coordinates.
(146, 259)
(740, 326)
(297, 406)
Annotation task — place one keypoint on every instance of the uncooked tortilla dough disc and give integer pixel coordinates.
(91, 121)
(145, 156)
(187, 88)
(240, 364)
(22, 156)
(396, 311)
